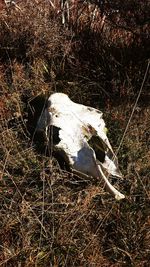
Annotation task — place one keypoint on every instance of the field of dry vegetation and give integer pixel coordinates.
(98, 55)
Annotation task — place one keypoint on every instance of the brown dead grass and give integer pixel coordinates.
(48, 217)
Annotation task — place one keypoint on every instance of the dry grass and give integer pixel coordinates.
(48, 217)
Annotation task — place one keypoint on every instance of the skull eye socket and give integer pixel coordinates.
(53, 133)
(91, 130)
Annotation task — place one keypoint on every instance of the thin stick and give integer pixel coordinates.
(134, 107)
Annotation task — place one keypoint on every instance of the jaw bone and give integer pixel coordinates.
(109, 187)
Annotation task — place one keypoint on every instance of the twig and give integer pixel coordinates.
(134, 107)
